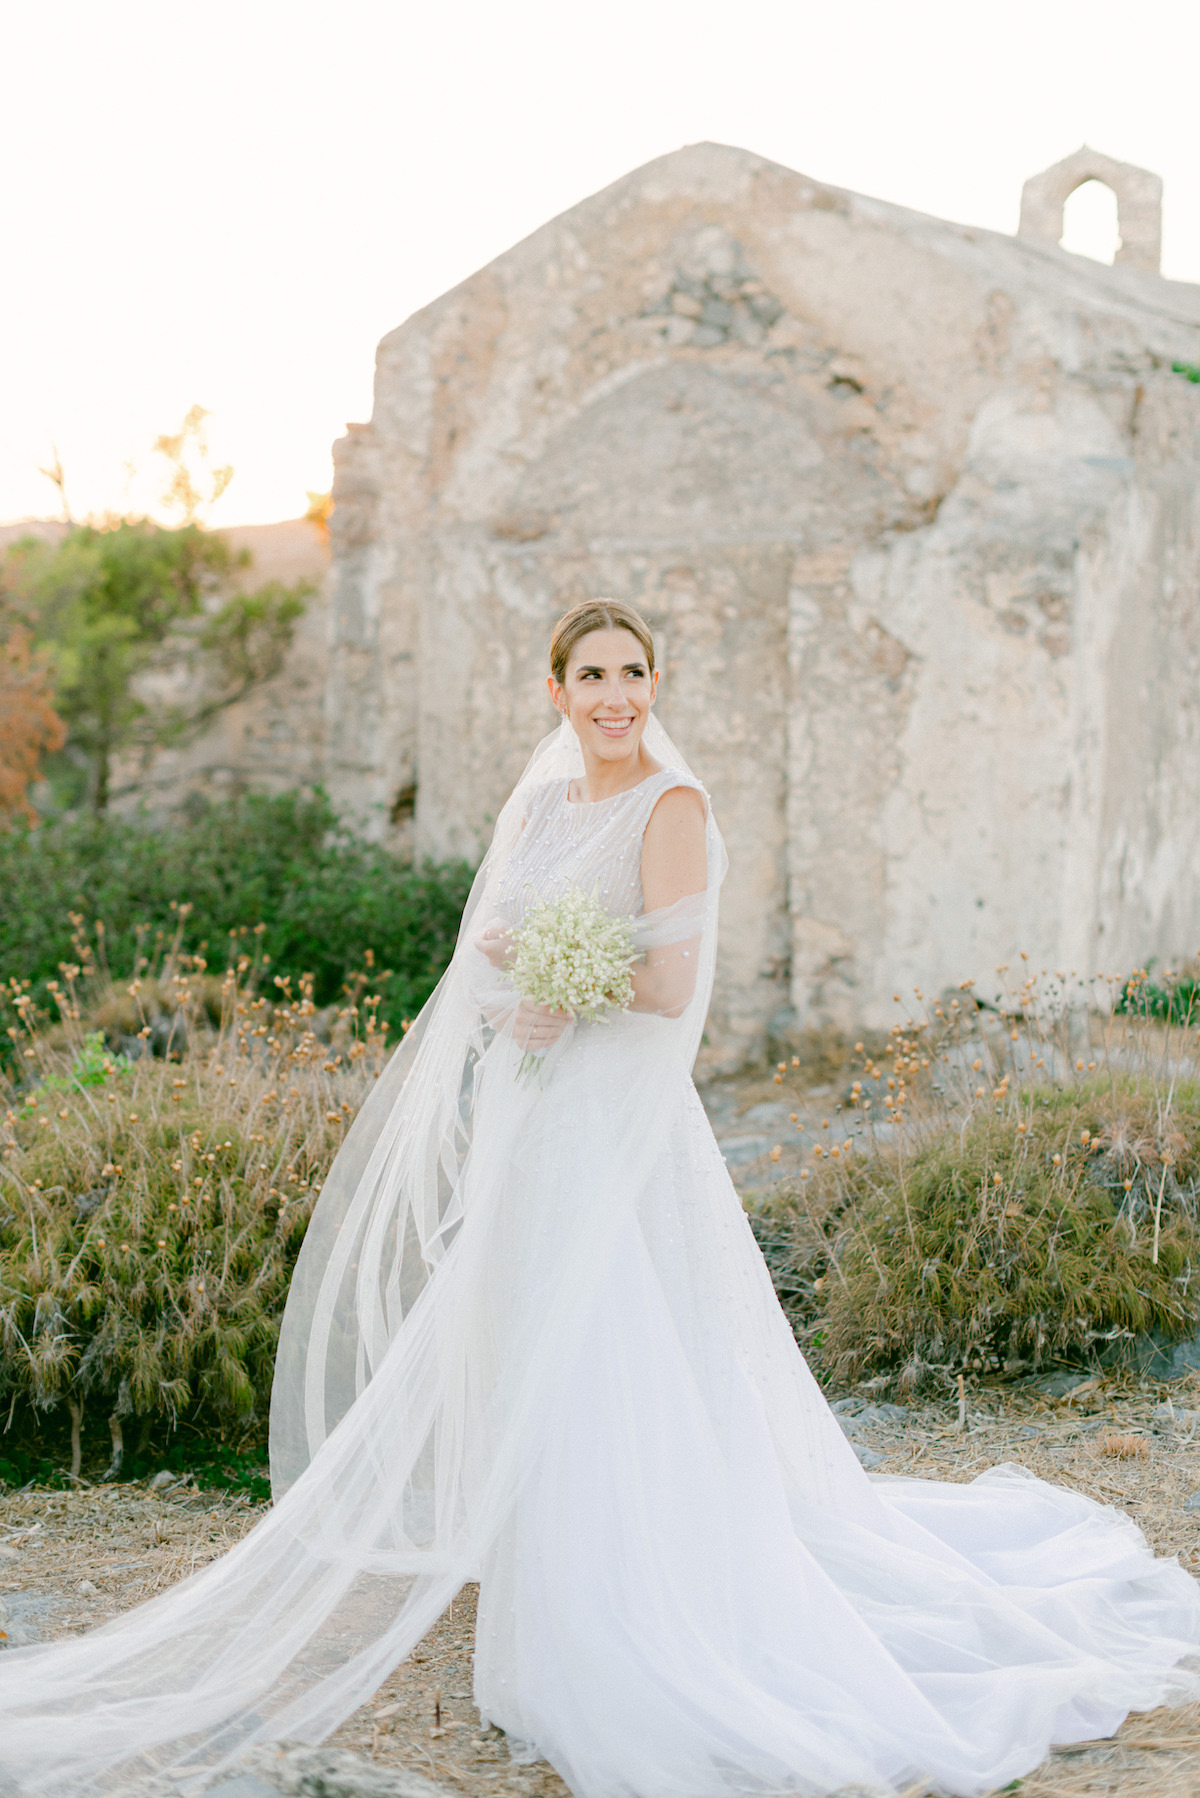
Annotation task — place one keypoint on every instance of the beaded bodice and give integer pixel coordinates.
(596, 846)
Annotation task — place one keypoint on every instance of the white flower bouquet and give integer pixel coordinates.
(571, 954)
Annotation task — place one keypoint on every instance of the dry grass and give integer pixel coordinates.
(70, 1560)
(1124, 1446)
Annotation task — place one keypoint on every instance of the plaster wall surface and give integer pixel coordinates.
(913, 511)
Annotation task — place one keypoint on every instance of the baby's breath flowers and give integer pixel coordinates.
(571, 954)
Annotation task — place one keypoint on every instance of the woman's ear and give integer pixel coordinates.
(557, 697)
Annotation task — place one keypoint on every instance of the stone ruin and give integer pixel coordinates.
(1139, 204)
(913, 508)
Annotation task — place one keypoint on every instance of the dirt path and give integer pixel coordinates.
(70, 1560)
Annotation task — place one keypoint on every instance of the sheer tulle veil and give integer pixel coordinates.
(424, 1335)
(395, 1196)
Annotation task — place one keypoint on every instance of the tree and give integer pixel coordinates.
(187, 454)
(147, 633)
(319, 512)
(29, 725)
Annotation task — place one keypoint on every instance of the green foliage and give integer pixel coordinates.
(1175, 998)
(327, 900)
(1190, 370)
(210, 1465)
(117, 606)
(89, 1068)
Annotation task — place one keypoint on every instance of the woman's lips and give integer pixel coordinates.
(613, 727)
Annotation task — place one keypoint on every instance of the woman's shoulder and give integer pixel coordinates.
(657, 786)
(674, 805)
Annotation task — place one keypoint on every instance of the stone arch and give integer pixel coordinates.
(1139, 204)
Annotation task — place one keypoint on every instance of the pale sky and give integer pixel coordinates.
(228, 202)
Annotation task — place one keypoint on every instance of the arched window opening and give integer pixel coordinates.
(1090, 222)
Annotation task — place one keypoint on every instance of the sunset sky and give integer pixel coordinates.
(228, 203)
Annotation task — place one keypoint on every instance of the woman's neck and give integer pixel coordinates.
(602, 778)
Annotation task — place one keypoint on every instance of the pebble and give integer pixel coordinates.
(1175, 1417)
(1057, 1385)
(862, 1412)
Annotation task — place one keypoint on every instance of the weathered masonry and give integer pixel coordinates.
(914, 510)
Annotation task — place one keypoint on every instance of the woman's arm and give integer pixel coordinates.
(531, 1026)
(674, 865)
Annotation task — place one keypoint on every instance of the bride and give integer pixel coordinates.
(530, 1341)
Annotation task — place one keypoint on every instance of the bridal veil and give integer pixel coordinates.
(417, 1366)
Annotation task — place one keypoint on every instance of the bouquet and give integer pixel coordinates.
(571, 954)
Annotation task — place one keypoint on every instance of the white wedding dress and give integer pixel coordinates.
(531, 1340)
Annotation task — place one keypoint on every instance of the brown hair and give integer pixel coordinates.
(596, 615)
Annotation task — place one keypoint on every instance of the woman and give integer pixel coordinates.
(531, 1341)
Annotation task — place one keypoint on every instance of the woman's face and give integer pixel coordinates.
(607, 693)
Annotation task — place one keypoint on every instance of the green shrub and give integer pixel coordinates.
(327, 901)
(1175, 998)
(151, 1209)
(1010, 1195)
(992, 1246)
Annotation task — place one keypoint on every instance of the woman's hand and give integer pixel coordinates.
(496, 943)
(537, 1026)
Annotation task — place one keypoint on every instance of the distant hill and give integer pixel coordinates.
(292, 550)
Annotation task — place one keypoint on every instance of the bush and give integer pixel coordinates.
(151, 1209)
(327, 901)
(991, 1248)
(1173, 997)
(1014, 1204)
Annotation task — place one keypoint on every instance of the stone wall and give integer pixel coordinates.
(912, 509)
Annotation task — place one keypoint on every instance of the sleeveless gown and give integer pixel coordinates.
(700, 1591)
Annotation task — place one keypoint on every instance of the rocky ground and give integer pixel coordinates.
(767, 1127)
